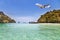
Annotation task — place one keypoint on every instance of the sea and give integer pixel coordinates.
(39, 31)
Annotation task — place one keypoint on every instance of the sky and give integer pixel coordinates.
(26, 10)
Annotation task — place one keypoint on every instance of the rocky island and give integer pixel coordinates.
(50, 17)
(5, 19)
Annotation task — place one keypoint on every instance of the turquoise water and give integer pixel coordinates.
(29, 31)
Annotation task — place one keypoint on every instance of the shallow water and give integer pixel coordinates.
(13, 31)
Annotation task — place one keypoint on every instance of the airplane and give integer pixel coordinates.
(43, 6)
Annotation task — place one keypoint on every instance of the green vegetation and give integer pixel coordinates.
(50, 17)
(5, 19)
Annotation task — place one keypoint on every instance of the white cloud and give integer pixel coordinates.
(25, 19)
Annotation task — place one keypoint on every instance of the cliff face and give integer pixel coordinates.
(5, 19)
(50, 17)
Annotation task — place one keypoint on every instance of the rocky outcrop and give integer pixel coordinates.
(5, 19)
(50, 17)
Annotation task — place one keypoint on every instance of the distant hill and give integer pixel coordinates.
(5, 19)
(50, 17)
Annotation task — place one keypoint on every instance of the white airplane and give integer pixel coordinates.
(43, 6)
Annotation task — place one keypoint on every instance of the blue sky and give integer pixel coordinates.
(26, 10)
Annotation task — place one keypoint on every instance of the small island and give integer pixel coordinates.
(32, 22)
(5, 19)
(50, 17)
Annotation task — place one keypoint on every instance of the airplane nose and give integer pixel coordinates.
(37, 4)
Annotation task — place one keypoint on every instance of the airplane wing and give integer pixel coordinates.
(46, 5)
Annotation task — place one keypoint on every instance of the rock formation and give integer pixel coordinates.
(5, 19)
(50, 17)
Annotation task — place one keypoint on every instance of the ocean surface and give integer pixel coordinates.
(15, 31)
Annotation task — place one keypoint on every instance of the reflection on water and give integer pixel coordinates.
(29, 32)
